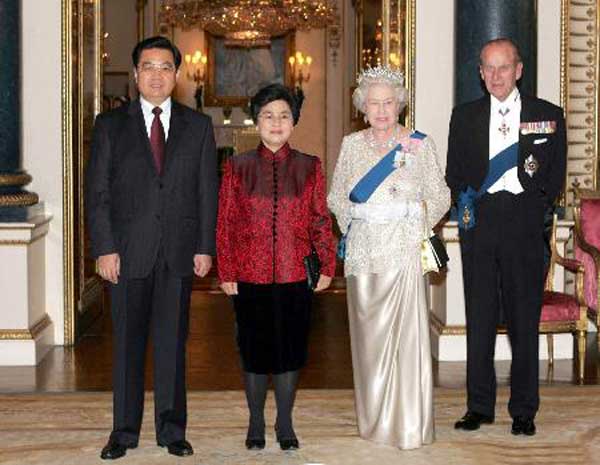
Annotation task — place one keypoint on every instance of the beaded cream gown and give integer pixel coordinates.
(387, 310)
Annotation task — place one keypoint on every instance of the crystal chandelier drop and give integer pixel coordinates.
(248, 23)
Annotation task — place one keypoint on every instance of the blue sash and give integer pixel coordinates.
(372, 180)
(500, 164)
(369, 183)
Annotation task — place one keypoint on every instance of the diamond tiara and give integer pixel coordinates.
(381, 73)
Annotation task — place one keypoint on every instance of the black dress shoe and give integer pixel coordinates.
(180, 448)
(289, 444)
(472, 421)
(114, 450)
(523, 425)
(255, 444)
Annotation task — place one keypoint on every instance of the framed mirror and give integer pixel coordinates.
(82, 81)
(386, 35)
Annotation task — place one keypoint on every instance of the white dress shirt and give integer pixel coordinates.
(165, 116)
(511, 108)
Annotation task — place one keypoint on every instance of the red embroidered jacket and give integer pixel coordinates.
(271, 207)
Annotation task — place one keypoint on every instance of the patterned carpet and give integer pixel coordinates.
(65, 429)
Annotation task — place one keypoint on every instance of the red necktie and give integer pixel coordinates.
(157, 140)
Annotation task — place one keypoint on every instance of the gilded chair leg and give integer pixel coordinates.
(550, 343)
(581, 343)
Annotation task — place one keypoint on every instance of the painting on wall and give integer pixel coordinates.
(236, 73)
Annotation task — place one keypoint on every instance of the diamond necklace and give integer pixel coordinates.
(388, 144)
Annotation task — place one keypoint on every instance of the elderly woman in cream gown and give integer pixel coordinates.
(384, 228)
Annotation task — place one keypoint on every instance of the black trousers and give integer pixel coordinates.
(158, 303)
(503, 266)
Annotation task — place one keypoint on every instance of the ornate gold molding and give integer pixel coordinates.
(410, 65)
(78, 110)
(140, 9)
(22, 199)
(67, 145)
(25, 334)
(403, 9)
(579, 86)
(19, 179)
(9, 242)
(444, 330)
(564, 34)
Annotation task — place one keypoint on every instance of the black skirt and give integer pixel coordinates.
(273, 321)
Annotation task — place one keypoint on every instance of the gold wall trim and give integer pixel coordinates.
(81, 43)
(18, 200)
(411, 54)
(564, 34)
(579, 94)
(444, 330)
(25, 334)
(140, 9)
(20, 179)
(10, 242)
(67, 147)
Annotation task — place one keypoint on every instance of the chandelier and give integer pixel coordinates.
(248, 23)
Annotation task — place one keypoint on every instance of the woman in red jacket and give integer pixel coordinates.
(272, 213)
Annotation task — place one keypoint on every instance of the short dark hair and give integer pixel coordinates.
(271, 93)
(504, 41)
(155, 42)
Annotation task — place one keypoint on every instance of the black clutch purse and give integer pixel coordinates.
(312, 265)
(433, 254)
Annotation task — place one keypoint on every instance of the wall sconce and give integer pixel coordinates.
(196, 71)
(104, 55)
(300, 68)
(396, 61)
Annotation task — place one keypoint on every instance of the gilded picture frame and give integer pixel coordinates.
(386, 35)
(258, 66)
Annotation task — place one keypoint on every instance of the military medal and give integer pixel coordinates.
(504, 128)
(531, 165)
(537, 127)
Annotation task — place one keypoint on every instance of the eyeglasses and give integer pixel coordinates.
(272, 117)
(148, 67)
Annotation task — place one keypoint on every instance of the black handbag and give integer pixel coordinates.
(312, 265)
(433, 252)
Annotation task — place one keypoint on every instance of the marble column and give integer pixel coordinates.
(477, 22)
(26, 330)
(16, 204)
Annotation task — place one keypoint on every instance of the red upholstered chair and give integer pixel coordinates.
(563, 312)
(587, 246)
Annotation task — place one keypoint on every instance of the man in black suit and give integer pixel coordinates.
(151, 197)
(501, 204)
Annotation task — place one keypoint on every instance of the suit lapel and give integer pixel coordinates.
(177, 128)
(136, 118)
(526, 115)
(481, 135)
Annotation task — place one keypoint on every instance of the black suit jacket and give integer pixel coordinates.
(468, 148)
(133, 211)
